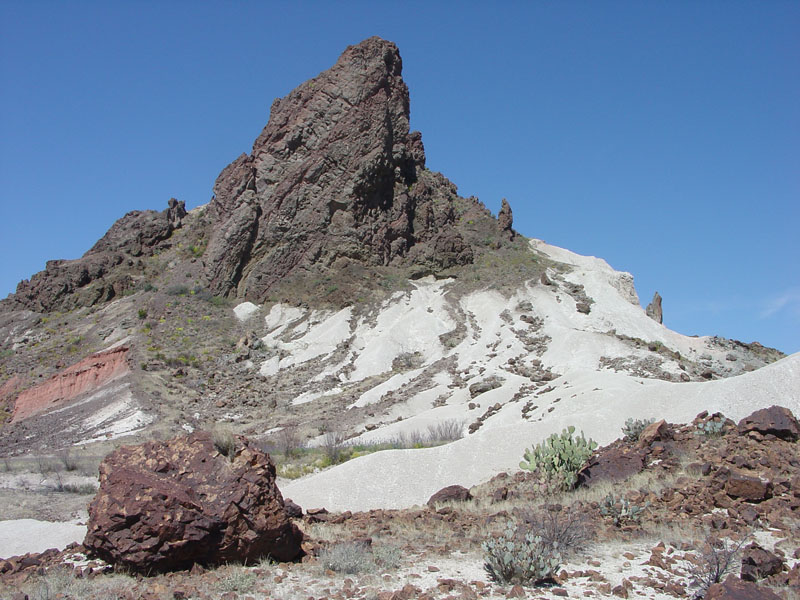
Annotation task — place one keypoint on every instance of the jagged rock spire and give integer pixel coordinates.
(334, 175)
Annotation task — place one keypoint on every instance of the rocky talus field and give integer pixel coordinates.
(341, 379)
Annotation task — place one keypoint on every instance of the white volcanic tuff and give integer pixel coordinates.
(601, 403)
(407, 323)
(311, 335)
(597, 400)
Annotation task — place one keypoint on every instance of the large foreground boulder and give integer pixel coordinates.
(167, 505)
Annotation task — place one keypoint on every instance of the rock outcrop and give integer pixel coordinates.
(82, 377)
(775, 420)
(654, 310)
(505, 220)
(334, 177)
(451, 493)
(168, 505)
(107, 270)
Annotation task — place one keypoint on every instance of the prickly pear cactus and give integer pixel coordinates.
(512, 558)
(560, 456)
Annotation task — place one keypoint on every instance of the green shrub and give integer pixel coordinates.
(560, 457)
(634, 428)
(519, 557)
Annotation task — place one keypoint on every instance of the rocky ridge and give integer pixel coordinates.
(335, 184)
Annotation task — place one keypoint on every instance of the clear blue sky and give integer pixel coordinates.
(661, 136)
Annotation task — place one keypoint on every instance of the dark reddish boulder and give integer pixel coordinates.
(292, 509)
(452, 493)
(168, 505)
(775, 420)
(736, 589)
(612, 463)
(746, 487)
(655, 432)
(758, 563)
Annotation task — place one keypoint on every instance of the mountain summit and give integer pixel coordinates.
(335, 183)
(335, 176)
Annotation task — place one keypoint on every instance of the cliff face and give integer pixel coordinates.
(335, 175)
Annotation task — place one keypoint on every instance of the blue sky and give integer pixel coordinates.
(662, 137)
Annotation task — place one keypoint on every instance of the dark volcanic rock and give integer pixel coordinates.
(167, 505)
(735, 589)
(612, 463)
(775, 420)
(335, 175)
(654, 310)
(758, 563)
(105, 271)
(451, 493)
(505, 220)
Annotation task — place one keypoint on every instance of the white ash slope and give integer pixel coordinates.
(556, 366)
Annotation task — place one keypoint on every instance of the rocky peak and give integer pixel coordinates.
(654, 310)
(336, 175)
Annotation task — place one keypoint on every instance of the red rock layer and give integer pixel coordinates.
(84, 376)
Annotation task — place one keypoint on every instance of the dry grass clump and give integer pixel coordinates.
(224, 441)
(61, 582)
(353, 557)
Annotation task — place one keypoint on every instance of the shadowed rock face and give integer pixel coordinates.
(167, 505)
(335, 174)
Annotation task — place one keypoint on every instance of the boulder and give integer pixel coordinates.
(775, 420)
(746, 487)
(735, 589)
(655, 432)
(451, 493)
(758, 563)
(167, 505)
(612, 463)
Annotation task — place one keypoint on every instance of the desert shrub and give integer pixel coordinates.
(520, 557)
(59, 582)
(387, 556)
(289, 441)
(347, 557)
(333, 444)
(224, 441)
(717, 558)
(407, 360)
(142, 314)
(568, 532)
(446, 431)
(634, 428)
(68, 460)
(621, 510)
(177, 290)
(560, 457)
(238, 580)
